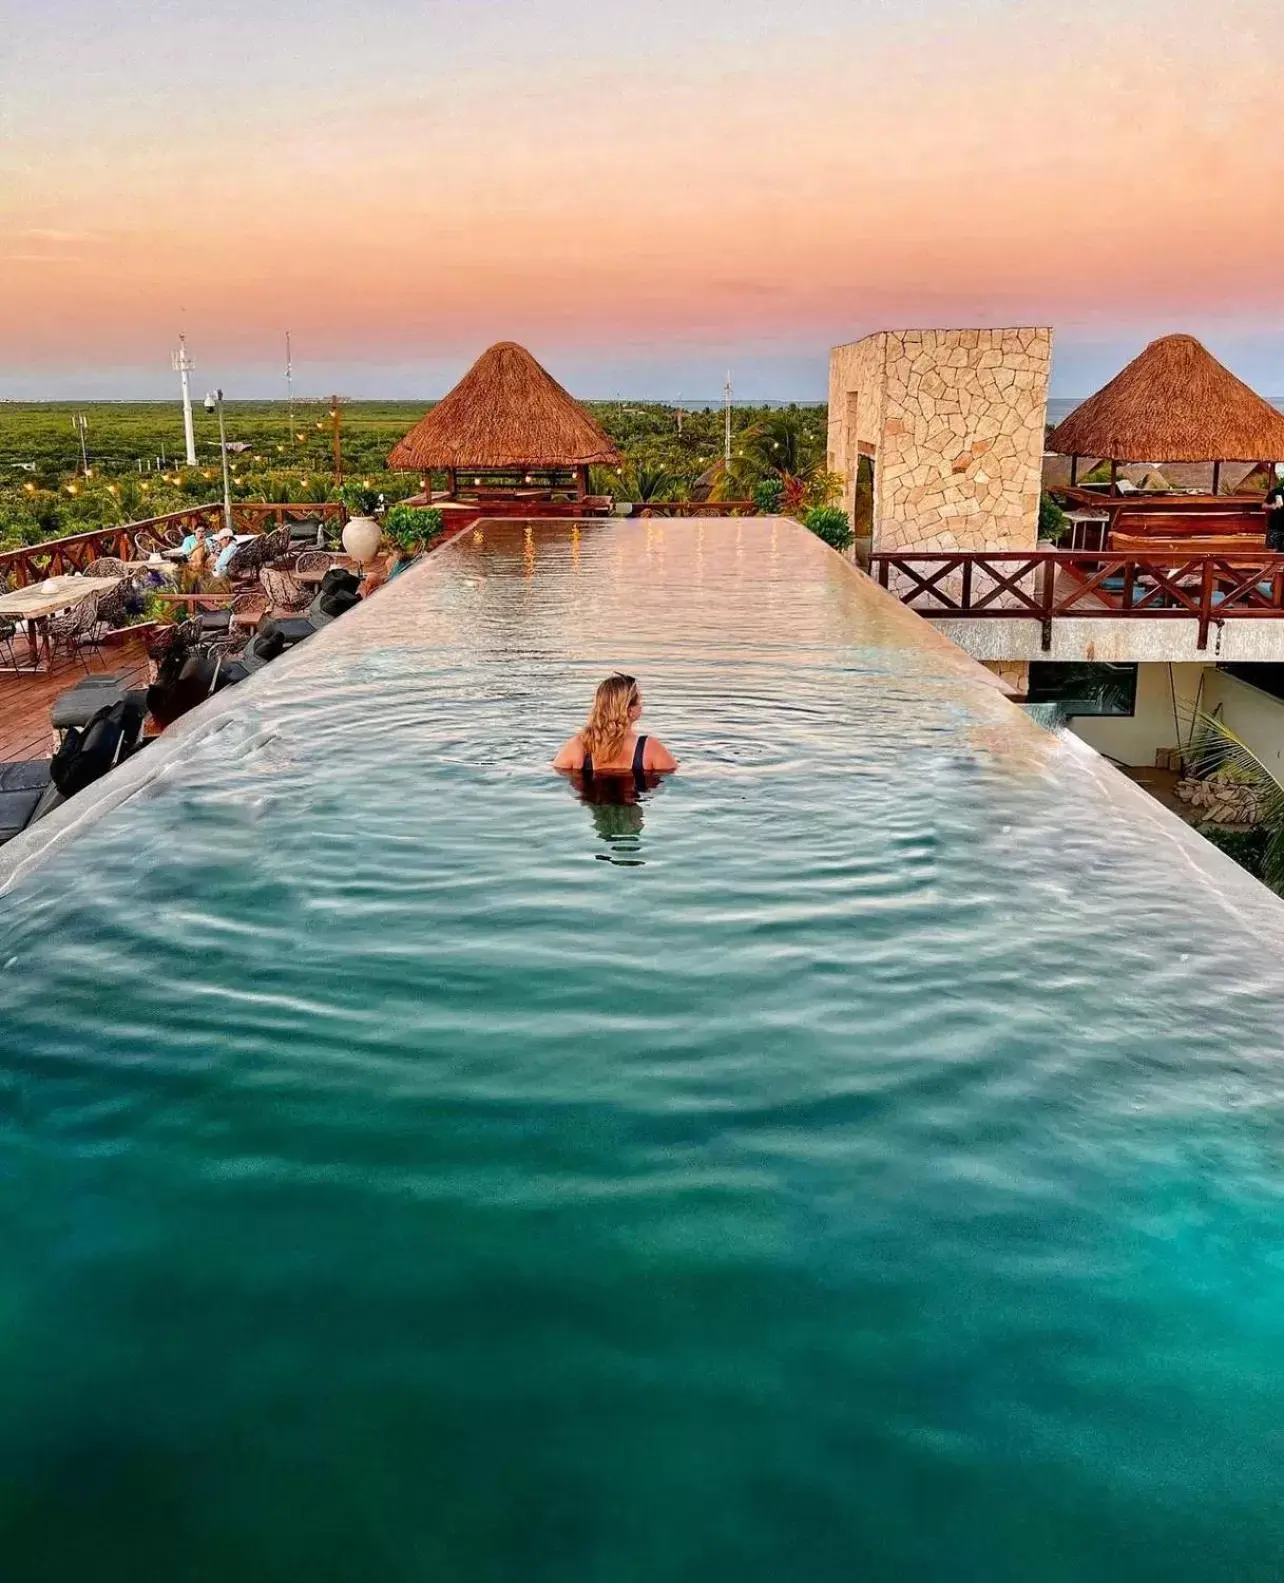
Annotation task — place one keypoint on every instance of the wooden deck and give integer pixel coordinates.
(25, 701)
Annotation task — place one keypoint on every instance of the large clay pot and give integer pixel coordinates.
(361, 539)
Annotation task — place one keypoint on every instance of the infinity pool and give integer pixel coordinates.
(862, 1159)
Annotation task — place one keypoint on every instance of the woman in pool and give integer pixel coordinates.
(609, 743)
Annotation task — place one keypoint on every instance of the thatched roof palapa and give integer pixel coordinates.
(1173, 403)
(505, 413)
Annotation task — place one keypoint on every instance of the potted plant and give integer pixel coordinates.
(412, 528)
(831, 524)
(362, 535)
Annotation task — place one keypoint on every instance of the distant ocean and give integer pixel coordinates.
(1058, 406)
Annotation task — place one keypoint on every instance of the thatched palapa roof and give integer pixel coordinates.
(1173, 403)
(506, 412)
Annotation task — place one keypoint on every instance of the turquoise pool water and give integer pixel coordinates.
(872, 1169)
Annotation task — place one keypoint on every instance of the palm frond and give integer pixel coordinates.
(1216, 749)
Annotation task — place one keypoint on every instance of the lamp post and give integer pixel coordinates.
(214, 403)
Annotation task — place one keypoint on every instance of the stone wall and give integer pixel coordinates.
(953, 421)
(1014, 674)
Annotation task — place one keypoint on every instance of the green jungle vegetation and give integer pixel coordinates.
(135, 452)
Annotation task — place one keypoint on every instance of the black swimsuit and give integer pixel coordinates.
(638, 771)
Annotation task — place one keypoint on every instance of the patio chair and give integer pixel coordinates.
(276, 545)
(314, 562)
(75, 631)
(114, 606)
(172, 536)
(175, 635)
(244, 562)
(252, 603)
(105, 566)
(310, 531)
(284, 592)
(227, 645)
(9, 631)
(145, 546)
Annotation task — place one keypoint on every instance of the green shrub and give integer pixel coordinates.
(1247, 847)
(359, 500)
(1052, 520)
(830, 524)
(766, 496)
(409, 526)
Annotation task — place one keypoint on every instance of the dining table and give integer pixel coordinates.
(37, 602)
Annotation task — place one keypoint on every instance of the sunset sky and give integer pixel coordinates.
(645, 193)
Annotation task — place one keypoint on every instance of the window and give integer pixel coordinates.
(1084, 689)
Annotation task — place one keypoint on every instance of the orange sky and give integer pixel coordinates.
(644, 192)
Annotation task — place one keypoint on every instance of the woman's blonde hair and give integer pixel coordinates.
(609, 722)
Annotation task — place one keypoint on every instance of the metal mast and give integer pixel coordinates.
(183, 365)
(289, 382)
(726, 440)
(80, 423)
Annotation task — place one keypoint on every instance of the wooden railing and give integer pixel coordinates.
(253, 516)
(32, 563)
(1044, 585)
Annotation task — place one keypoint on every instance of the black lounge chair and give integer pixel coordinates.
(23, 787)
(78, 705)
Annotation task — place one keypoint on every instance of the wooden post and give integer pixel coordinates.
(338, 443)
(1074, 471)
(1217, 477)
(1205, 602)
(1047, 598)
(1114, 477)
(452, 484)
(582, 481)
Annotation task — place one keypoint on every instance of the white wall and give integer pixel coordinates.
(1166, 701)
(1254, 716)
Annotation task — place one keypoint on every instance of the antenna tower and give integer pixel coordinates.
(183, 366)
(726, 433)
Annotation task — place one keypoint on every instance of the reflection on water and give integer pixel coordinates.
(615, 802)
(880, 1180)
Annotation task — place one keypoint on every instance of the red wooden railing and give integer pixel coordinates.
(32, 563)
(254, 516)
(1046, 584)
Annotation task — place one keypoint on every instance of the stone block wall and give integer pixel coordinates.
(953, 421)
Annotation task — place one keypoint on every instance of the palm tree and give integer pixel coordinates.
(648, 482)
(785, 443)
(1218, 751)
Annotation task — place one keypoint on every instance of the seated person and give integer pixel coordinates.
(225, 546)
(195, 537)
